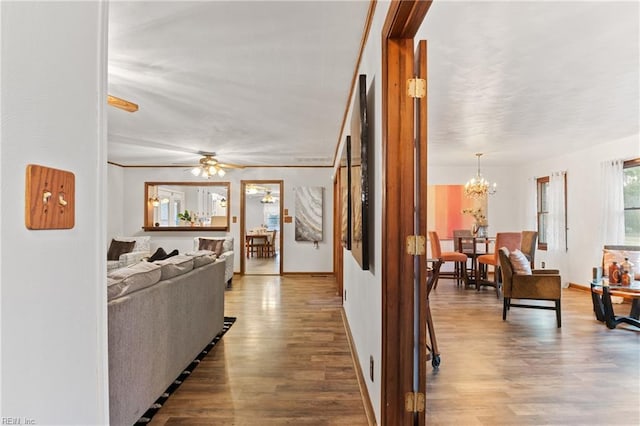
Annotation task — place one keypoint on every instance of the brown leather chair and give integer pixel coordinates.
(460, 272)
(542, 284)
(510, 240)
(529, 245)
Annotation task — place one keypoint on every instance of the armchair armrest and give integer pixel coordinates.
(545, 271)
(537, 286)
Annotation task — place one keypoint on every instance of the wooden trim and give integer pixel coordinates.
(356, 72)
(146, 166)
(243, 189)
(312, 274)
(122, 103)
(402, 21)
(338, 254)
(364, 391)
(421, 188)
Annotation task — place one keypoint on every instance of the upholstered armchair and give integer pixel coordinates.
(528, 246)
(510, 240)
(517, 283)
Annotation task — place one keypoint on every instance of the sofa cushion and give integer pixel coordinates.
(132, 278)
(519, 263)
(143, 243)
(202, 257)
(174, 266)
(117, 248)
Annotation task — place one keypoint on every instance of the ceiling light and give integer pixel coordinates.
(268, 198)
(478, 187)
(223, 202)
(209, 167)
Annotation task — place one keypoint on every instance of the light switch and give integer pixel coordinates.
(49, 198)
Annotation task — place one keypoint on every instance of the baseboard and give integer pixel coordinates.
(580, 287)
(312, 274)
(366, 399)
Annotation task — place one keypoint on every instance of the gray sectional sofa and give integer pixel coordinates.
(160, 316)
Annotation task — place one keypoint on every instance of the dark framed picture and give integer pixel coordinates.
(345, 194)
(360, 176)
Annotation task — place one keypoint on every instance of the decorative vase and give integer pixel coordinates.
(614, 273)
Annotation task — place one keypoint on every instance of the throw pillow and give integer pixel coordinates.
(207, 244)
(210, 244)
(519, 263)
(118, 248)
(158, 255)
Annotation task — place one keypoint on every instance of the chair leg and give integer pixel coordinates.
(558, 314)
(505, 307)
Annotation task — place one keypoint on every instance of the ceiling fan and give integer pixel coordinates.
(209, 166)
(122, 103)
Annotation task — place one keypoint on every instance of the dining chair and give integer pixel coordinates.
(271, 243)
(528, 246)
(459, 273)
(466, 247)
(510, 240)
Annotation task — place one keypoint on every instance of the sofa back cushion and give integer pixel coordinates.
(174, 266)
(132, 278)
(118, 248)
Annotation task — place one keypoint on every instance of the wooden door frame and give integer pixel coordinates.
(401, 24)
(243, 188)
(338, 254)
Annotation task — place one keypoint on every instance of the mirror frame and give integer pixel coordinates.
(148, 208)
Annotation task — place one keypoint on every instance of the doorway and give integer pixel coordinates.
(260, 227)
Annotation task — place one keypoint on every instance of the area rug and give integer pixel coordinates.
(148, 415)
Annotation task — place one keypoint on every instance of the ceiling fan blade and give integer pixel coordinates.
(231, 166)
(122, 103)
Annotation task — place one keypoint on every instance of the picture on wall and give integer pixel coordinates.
(446, 207)
(308, 204)
(345, 194)
(360, 176)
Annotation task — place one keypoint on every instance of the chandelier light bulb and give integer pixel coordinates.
(478, 186)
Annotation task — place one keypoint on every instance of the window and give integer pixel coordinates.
(631, 196)
(543, 212)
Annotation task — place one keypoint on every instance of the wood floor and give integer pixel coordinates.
(525, 371)
(286, 361)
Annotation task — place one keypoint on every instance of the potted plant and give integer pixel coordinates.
(185, 217)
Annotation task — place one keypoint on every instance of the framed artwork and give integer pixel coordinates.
(309, 205)
(360, 176)
(345, 194)
(445, 205)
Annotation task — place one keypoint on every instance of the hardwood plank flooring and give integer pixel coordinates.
(525, 371)
(286, 360)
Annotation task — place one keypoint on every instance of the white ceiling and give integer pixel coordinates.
(266, 83)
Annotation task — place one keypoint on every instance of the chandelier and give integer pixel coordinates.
(268, 198)
(479, 187)
(208, 167)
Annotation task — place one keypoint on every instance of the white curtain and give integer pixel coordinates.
(556, 232)
(612, 202)
(531, 205)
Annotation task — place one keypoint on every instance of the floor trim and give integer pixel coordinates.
(366, 399)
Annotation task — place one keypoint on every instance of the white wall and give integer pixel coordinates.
(115, 212)
(507, 208)
(53, 306)
(364, 288)
(296, 256)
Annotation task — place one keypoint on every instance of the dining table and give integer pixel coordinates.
(255, 242)
(474, 246)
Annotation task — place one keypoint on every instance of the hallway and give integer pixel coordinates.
(286, 360)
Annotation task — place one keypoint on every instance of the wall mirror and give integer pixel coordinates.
(186, 206)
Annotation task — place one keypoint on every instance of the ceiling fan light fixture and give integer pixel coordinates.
(221, 172)
(268, 198)
(195, 171)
